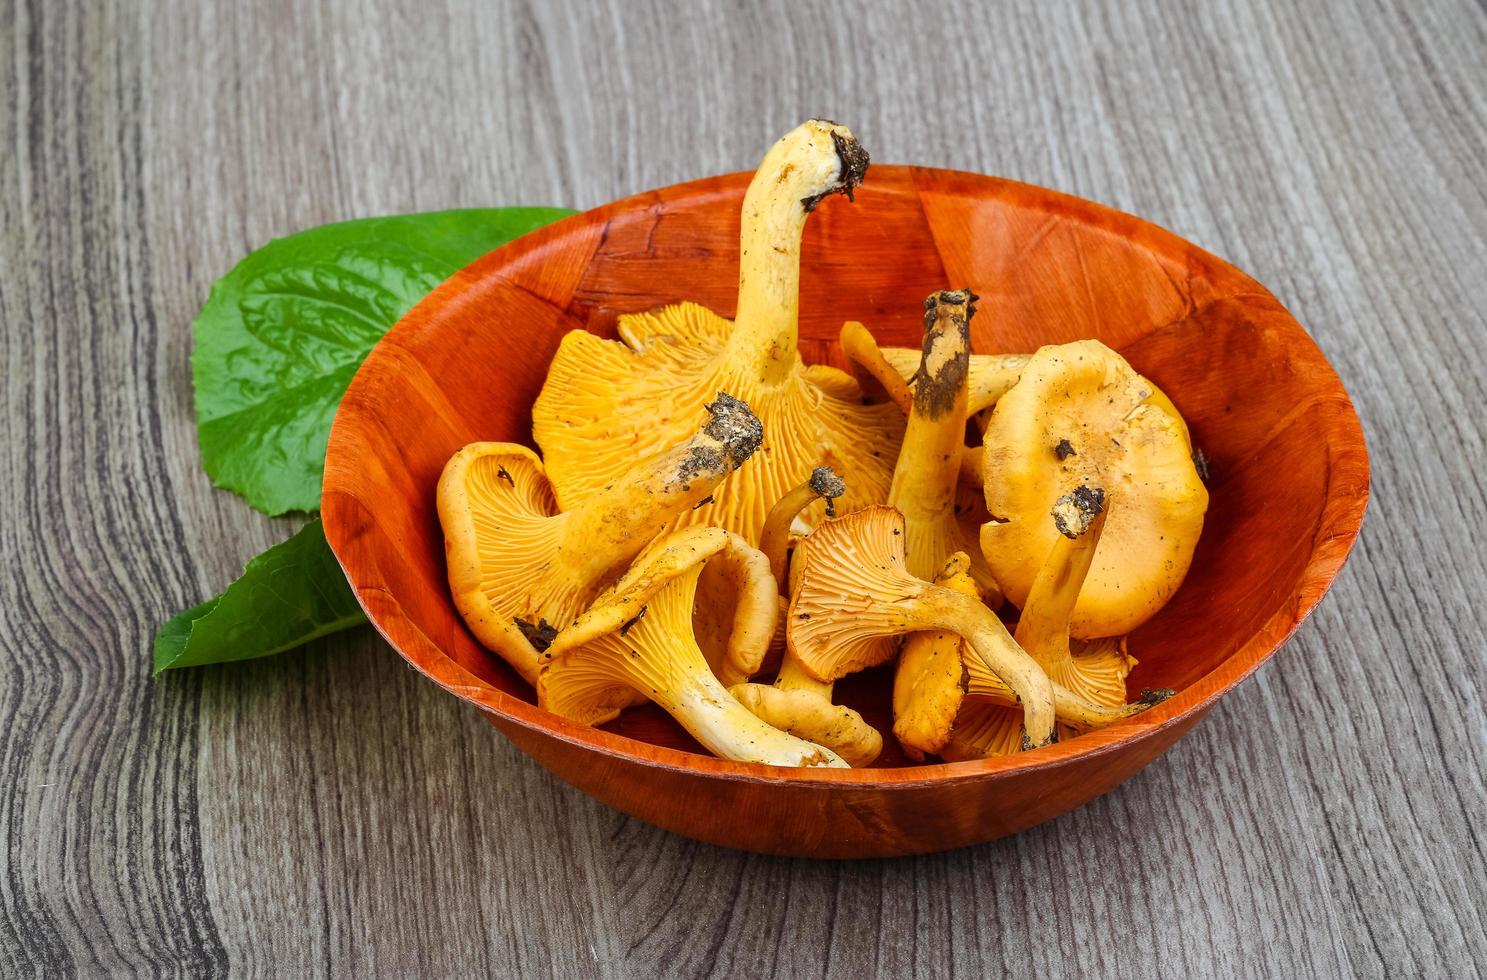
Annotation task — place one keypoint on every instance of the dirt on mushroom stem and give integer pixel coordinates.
(927, 484)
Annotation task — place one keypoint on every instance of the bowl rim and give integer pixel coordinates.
(1333, 537)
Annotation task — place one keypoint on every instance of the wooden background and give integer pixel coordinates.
(329, 813)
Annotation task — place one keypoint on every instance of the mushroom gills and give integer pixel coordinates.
(637, 637)
(856, 597)
(605, 401)
(520, 570)
(797, 702)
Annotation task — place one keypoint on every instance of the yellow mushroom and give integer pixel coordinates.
(797, 702)
(1080, 415)
(604, 402)
(637, 639)
(855, 597)
(774, 537)
(520, 571)
(1088, 676)
(926, 478)
(929, 686)
(736, 613)
(1098, 674)
(990, 377)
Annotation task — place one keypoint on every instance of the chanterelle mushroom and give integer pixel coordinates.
(637, 638)
(605, 402)
(855, 596)
(927, 476)
(1088, 676)
(520, 571)
(736, 614)
(991, 377)
(929, 684)
(797, 702)
(1079, 415)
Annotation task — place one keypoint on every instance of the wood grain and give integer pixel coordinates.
(330, 813)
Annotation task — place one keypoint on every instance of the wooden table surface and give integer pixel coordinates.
(328, 812)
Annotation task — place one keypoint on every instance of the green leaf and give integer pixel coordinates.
(284, 331)
(291, 594)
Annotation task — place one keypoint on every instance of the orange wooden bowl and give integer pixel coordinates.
(1289, 474)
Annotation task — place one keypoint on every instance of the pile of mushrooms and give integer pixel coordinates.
(720, 529)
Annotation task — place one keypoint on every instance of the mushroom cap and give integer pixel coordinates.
(751, 610)
(736, 614)
(501, 543)
(842, 615)
(605, 403)
(1080, 414)
(991, 377)
(636, 637)
(929, 685)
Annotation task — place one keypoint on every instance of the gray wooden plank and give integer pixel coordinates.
(329, 813)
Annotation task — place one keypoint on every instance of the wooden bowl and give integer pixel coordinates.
(1289, 472)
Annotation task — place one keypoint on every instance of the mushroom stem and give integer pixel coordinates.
(812, 161)
(1043, 628)
(928, 470)
(805, 715)
(603, 535)
(823, 483)
(792, 677)
(1084, 715)
(729, 730)
(939, 607)
(869, 365)
(774, 540)
(637, 637)
(799, 703)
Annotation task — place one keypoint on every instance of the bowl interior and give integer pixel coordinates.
(1288, 471)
